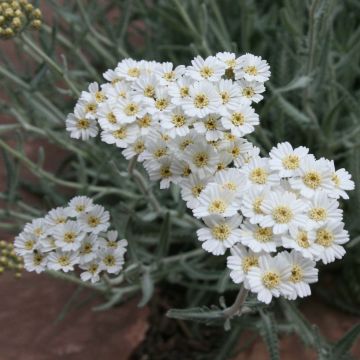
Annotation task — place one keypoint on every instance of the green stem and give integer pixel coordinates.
(53, 65)
(39, 172)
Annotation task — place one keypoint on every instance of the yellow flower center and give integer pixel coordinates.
(64, 260)
(336, 180)
(133, 72)
(79, 208)
(186, 171)
(271, 279)
(225, 97)
(93, 268)
(302, 239)
(169, 76)
(217, 206)
(257, 205)
(259, 176)
(149, 91)
(282, 214)
(248, 262)
(291, 162)
(263, 235)
(93, 221)
(139, 147)
(297, 274)
(160, 152)
(251, 70)
(38, 258)
(201, 101)
(196, 190)
(201, 159)
(109, 260)
(83, 124)
(86, 249)
(248, 92)
(235, 151)
(221, 232)
(91, 107)
(69, 237)
(184, 91)
(318, 214)
(237, 119)
(185, 143)
(161, 104)
(312, 179)
(131, 109)
(29, 244)
(111, 118)
(112, 244)
(324, 237)
(165, 171)
(145, 121)
(178, 120)
(99, 96)
(38, 231)
(230, 185)
(210, 123)
(120, 133)
(206, 72)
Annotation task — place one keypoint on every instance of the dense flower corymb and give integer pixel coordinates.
(73, 235)
(278, 215)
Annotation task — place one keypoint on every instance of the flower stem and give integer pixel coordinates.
(238, 306)
(53, 65)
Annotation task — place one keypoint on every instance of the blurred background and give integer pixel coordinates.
(312, 99)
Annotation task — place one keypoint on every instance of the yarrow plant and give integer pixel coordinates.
(277, 215)
(74, 235)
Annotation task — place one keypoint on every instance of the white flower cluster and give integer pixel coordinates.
(183, 123)
(277, 215)
(73, 235)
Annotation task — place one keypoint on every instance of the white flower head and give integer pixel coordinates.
(201, 158)
(329, 239)
(220, 234)
(210, 69)
(191, 189)
(210, 127)
(241, 261)
(240, 120)
(303, 241)
(112, 261)
(342, 182)
(35, 261)
(62, 260)
(215, 200)
(79, 205)
(92, 271)
(252, 68)
(121, 135)
(57, 216)
(283, 211)
(203, 100)
(96, 220)
(80, 126)
(323, 209)
(286, 160)
(270, 278)
(302, 273)
(251, 90)
(68, 236)
(259, 174)
(312, 176)
(259, 239)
